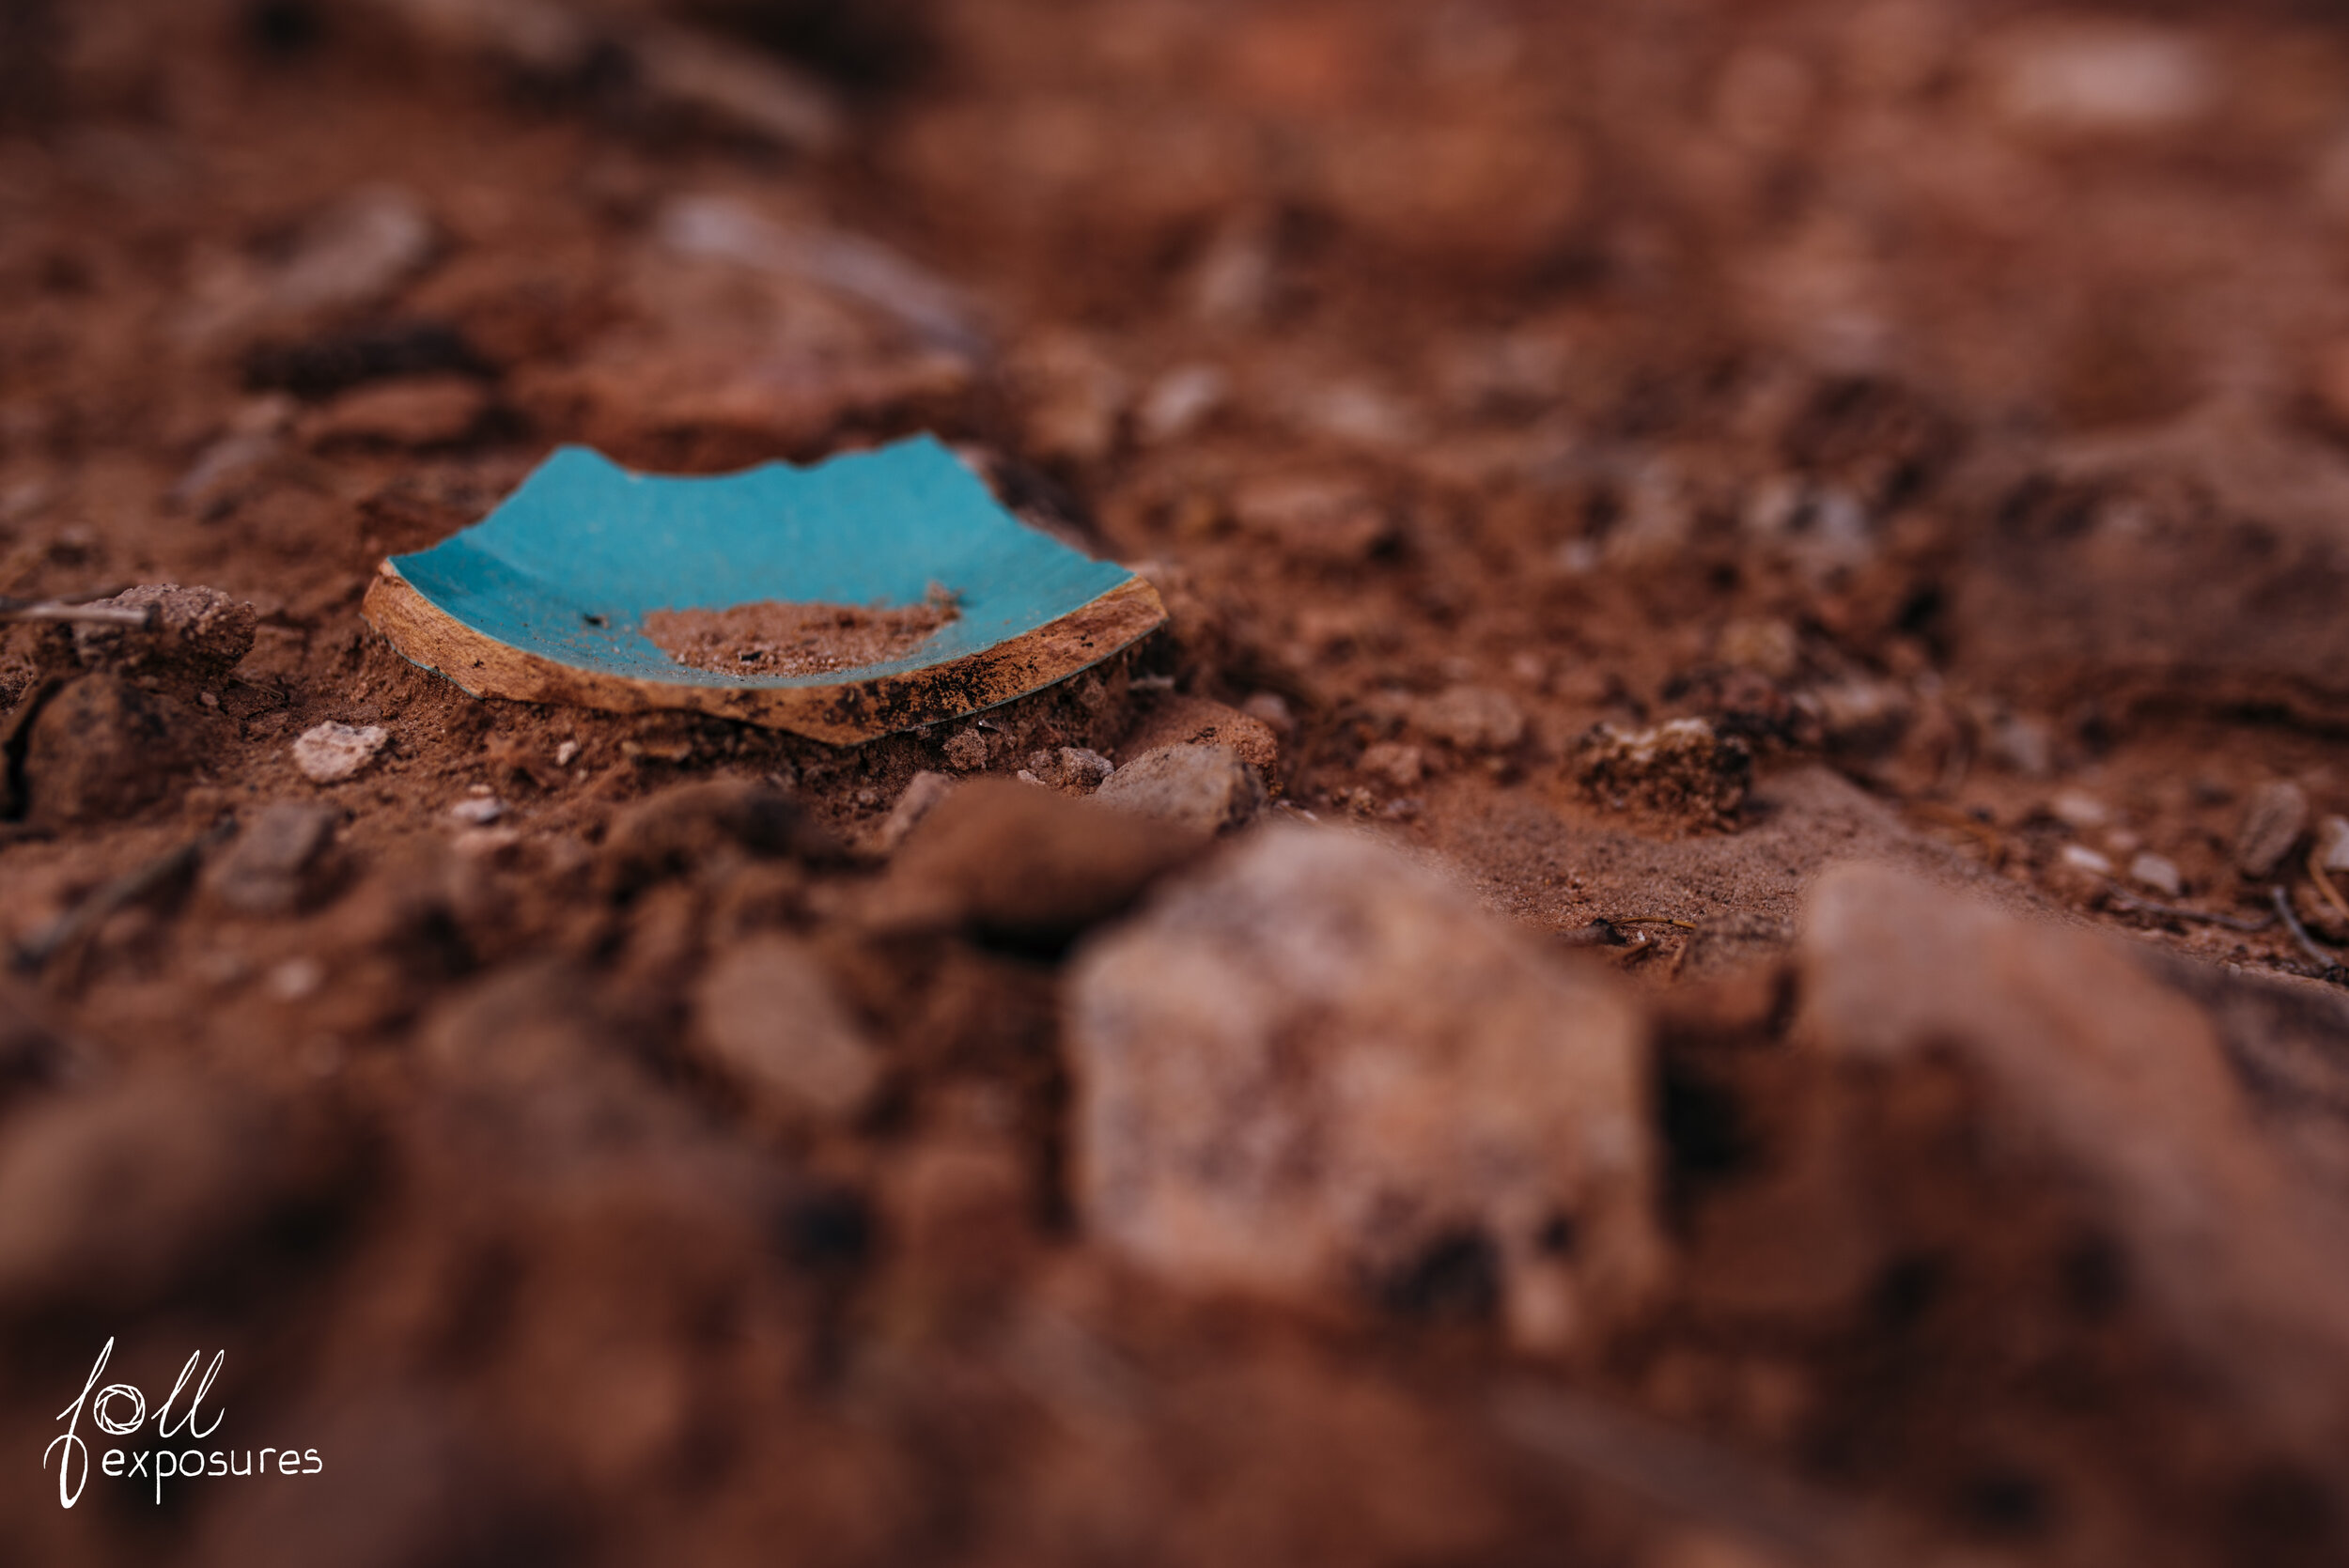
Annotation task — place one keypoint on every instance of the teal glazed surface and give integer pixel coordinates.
(584, 537)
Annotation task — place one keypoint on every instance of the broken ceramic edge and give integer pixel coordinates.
(543, 600)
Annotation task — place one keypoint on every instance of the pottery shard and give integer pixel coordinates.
(2272, 824)
(1013, 861)
(194, 636)
(1207, 788)
(1314, 1072)
(103, 749)
(2091, 1063)
(766, 1016)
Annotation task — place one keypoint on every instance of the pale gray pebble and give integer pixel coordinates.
(2158, 872)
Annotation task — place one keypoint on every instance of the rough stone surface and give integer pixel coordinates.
(1683, 771)
(1011, 860)
(1175, 719)
(273, 866)
(2272, 824)
(1314, 1072)
(102, 748)
(330, 753)
(198, 635)
(1208, 789)
(766, 1016)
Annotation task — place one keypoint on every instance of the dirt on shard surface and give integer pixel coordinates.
(774, 638)
(1713, 934)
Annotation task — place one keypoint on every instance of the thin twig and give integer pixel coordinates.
(2300, 932)
(2124, 904)
(62, 609)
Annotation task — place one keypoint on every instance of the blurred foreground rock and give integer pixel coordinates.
(1016, 862)
(1314, 1072)
(196, 637)
(2074, 1060)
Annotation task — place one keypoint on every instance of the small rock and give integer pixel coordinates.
(1770, 646)
(1324, 519)
(103, 749)
(1314, 1072)
(2272, 824)
(198, 635)
(767, 1015)
(966, 750)
(1084, 765)
(670, 833)
(1472, 718)
(2078, 857)
(1075, 399)
(353, 252)
(1398, 764)
(414, 411)
(477, 811)
(295, 978)
(2078, 77)
(1682, 771)
(566, 753)
(2158, 872)
(1024, 864)
(1208, 789)
(271, 867)
(330, 753)
(1073, 769)
(1270, 709)
(2332, 843)
(2079, 809)
(1179, 400)
(2022, 744)
(922, 793)
(1174, 719)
